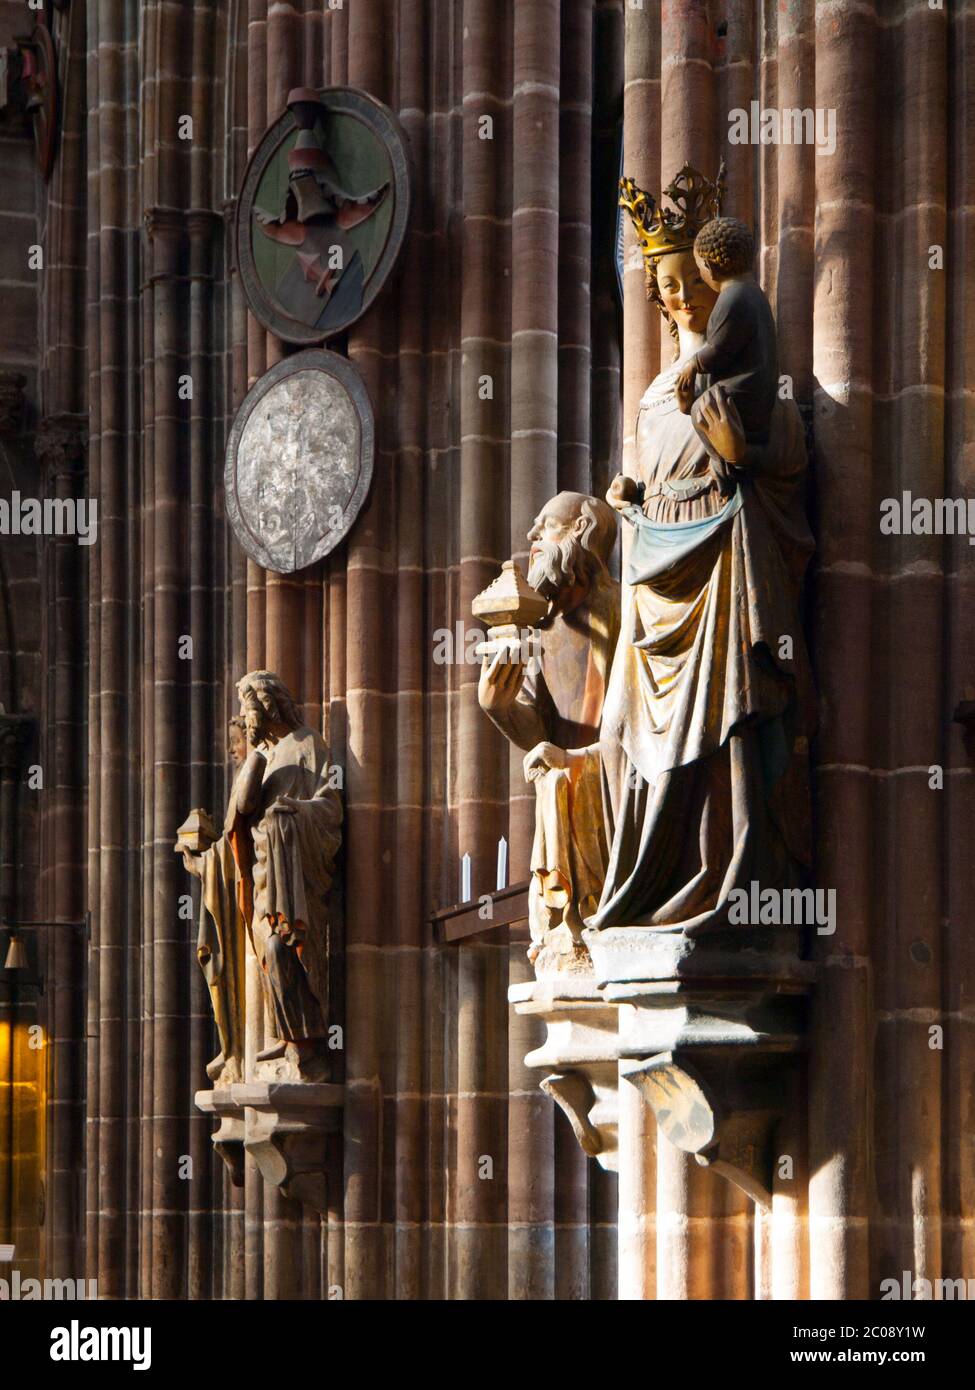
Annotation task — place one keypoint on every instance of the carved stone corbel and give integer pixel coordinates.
(580, 1056)
(733, 1140)
(711, 1055)
(710, 1049)
(228, 1138)
(284, 1126)
(576, 1095)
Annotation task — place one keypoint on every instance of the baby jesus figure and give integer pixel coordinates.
(740, 350)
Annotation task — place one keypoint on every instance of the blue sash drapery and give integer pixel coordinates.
(659, 546)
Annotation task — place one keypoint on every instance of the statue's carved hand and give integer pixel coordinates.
(542, 758)
(193, 863)
(622, 492)
(499, 682)
(716, 415)
(284, 806)
(684, 386)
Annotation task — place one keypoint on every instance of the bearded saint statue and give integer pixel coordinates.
(554, 702)
(273, 868)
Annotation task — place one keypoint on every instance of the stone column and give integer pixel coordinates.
(115, 797)
(575, 251)
(958, 958)
(60, 446)
(540, 263)
(476, 1209)
(608, 29)
(641, 362)
(843, 310)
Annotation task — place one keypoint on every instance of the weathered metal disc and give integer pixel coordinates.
(288, 226)
(299, 460)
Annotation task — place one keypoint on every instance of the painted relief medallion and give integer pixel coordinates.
(322, 213)
(299, 460)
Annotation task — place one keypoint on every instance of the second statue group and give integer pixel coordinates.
(666, 720)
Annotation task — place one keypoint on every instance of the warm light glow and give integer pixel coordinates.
(23, 1110)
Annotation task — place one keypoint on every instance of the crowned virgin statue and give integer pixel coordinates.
(705, 726)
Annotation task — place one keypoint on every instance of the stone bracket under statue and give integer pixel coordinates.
(284, 1126)
(710, 1044)
(580, 1055)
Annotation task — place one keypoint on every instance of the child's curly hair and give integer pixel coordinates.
(727, 245)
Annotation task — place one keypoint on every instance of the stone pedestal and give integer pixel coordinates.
(705, 1028)
(712, 1059)
(228, 1138)
(284, 1125)
(579, 1057)
(709, 1027)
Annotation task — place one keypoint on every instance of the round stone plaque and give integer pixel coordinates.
(322, 213)
(299, 460)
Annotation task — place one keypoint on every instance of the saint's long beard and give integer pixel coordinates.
(554, 568)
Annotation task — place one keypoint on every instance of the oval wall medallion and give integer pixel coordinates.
(299, 460)
(322, 213)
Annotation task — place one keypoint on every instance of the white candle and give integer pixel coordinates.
(502, 863)
(465, 878)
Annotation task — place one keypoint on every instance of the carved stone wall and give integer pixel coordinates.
(511, 112)
(427, 1047)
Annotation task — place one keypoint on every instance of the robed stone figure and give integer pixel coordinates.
(554, 702)
(271, 871)
(705, 737)
(704, 741)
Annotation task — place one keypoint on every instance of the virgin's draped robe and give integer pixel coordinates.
(705, 728)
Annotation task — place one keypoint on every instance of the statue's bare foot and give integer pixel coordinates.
(215, 1067)
(276, 1048)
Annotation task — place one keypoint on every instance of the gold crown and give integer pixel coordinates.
(660, 230)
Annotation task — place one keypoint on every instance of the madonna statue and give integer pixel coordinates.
(709, 709)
